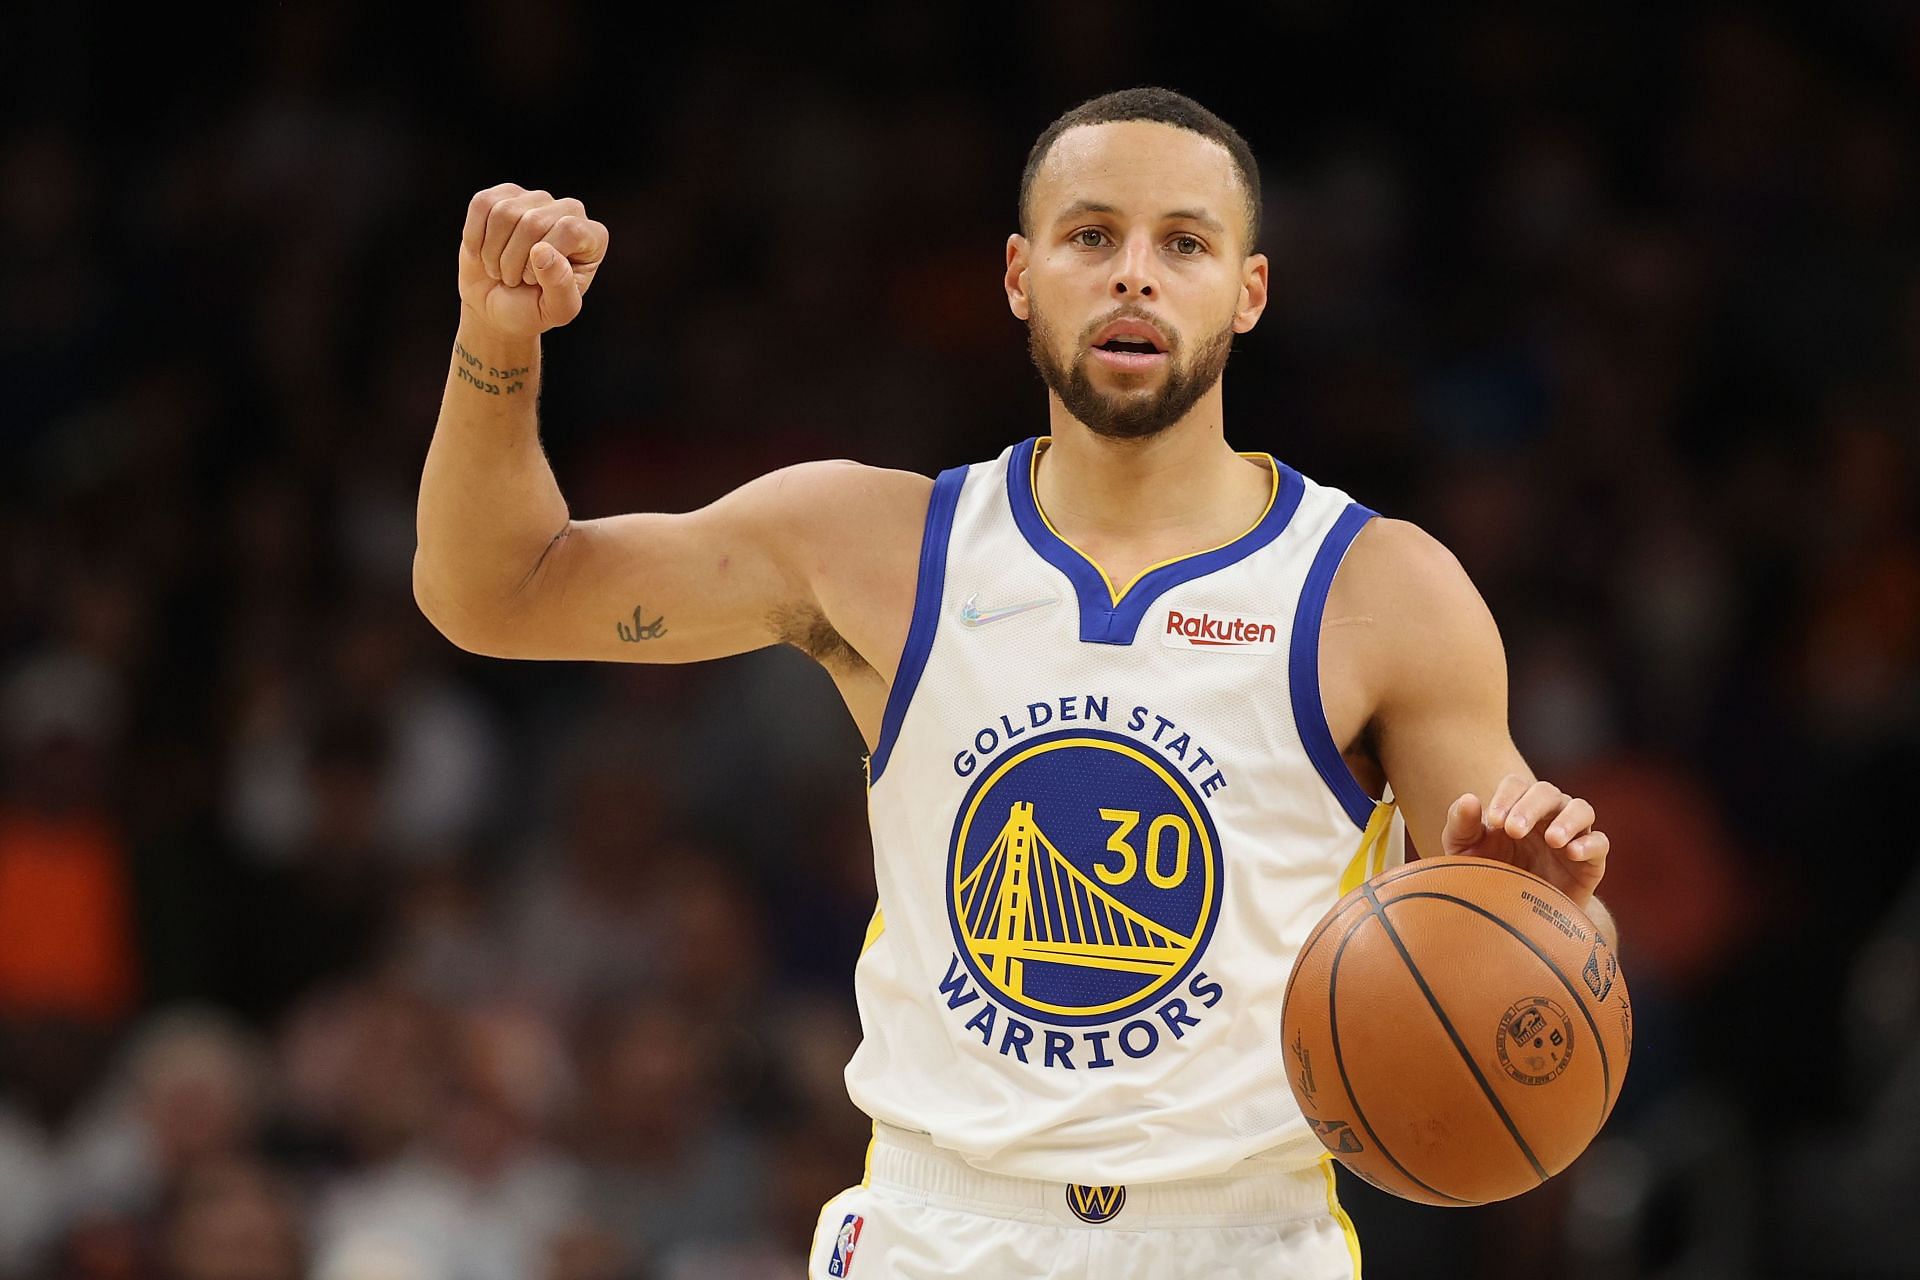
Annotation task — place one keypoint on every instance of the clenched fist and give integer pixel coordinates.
(526, 259)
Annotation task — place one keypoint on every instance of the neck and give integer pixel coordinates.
(1184, 475)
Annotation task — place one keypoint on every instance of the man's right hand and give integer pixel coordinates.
(527, 259)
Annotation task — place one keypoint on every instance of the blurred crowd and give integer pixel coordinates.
(329, 950)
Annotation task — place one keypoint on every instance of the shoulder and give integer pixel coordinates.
(821, 486)
(1411, 605)
(851, 533)
(835, 501)
(1396, 564)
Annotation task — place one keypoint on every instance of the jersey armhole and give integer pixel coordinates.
(1303, 668)
(928, 591)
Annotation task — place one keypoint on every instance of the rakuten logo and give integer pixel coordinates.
(1237, 632)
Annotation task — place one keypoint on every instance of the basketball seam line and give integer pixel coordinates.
(1459, 1045)
(1411, 869)
(1407, 871)
(1340, 1064)
(1599, 1045)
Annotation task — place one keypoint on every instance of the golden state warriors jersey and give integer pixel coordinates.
(1104, 821)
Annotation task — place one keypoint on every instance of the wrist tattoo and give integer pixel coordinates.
(641, 629)
(482, 376)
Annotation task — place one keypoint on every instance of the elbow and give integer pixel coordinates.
(461, 627)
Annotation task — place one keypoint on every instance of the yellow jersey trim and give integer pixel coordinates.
(1370, 859)
(1340, 1216)
(1033, 481)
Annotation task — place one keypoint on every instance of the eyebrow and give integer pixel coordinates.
(1200, 216)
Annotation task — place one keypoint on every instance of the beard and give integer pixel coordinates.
(1127, 416)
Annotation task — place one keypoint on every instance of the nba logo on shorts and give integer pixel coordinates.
(843, 1245)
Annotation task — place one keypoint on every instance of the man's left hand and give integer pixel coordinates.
(1534, 826)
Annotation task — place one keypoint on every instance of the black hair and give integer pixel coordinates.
(1161, 106)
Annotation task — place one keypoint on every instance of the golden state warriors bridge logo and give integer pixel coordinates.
(1085, 884)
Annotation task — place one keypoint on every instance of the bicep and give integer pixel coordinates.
(669, 587)
(1441, 694)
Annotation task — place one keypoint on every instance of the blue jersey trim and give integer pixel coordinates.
(1104, 620)
(1303, 668)
(927, 595)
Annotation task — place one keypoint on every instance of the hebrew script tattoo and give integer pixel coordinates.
(482, 376)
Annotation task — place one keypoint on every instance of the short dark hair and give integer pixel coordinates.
(1161, 106)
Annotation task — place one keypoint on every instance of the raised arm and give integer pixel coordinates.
(503, 569)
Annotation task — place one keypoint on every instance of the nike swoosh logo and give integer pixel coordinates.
(972, 615)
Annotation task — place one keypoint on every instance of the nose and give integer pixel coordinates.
(1133, 274)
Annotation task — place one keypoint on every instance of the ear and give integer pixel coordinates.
(1253, 293)
(1016, 281)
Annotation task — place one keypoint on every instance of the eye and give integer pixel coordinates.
(1089, 237)
(1187, 246)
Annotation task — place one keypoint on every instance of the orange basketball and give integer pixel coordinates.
(1456, 1031)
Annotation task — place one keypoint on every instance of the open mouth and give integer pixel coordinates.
(1129, 354)
(1130, 344)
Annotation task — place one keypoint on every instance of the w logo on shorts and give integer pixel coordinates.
(843, 1245)
(1095, 1204)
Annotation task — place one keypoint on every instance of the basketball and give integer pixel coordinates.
(1456, 1031)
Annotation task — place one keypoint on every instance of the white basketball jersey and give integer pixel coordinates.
(1104, 821)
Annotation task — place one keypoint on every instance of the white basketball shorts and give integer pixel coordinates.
(926, 1214)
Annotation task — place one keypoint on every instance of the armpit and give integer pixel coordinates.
(809, 631)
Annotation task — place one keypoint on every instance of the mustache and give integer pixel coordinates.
(1130, 312)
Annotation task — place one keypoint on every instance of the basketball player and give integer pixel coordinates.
(1140, 707)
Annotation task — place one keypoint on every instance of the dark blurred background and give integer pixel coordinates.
(327, 949)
